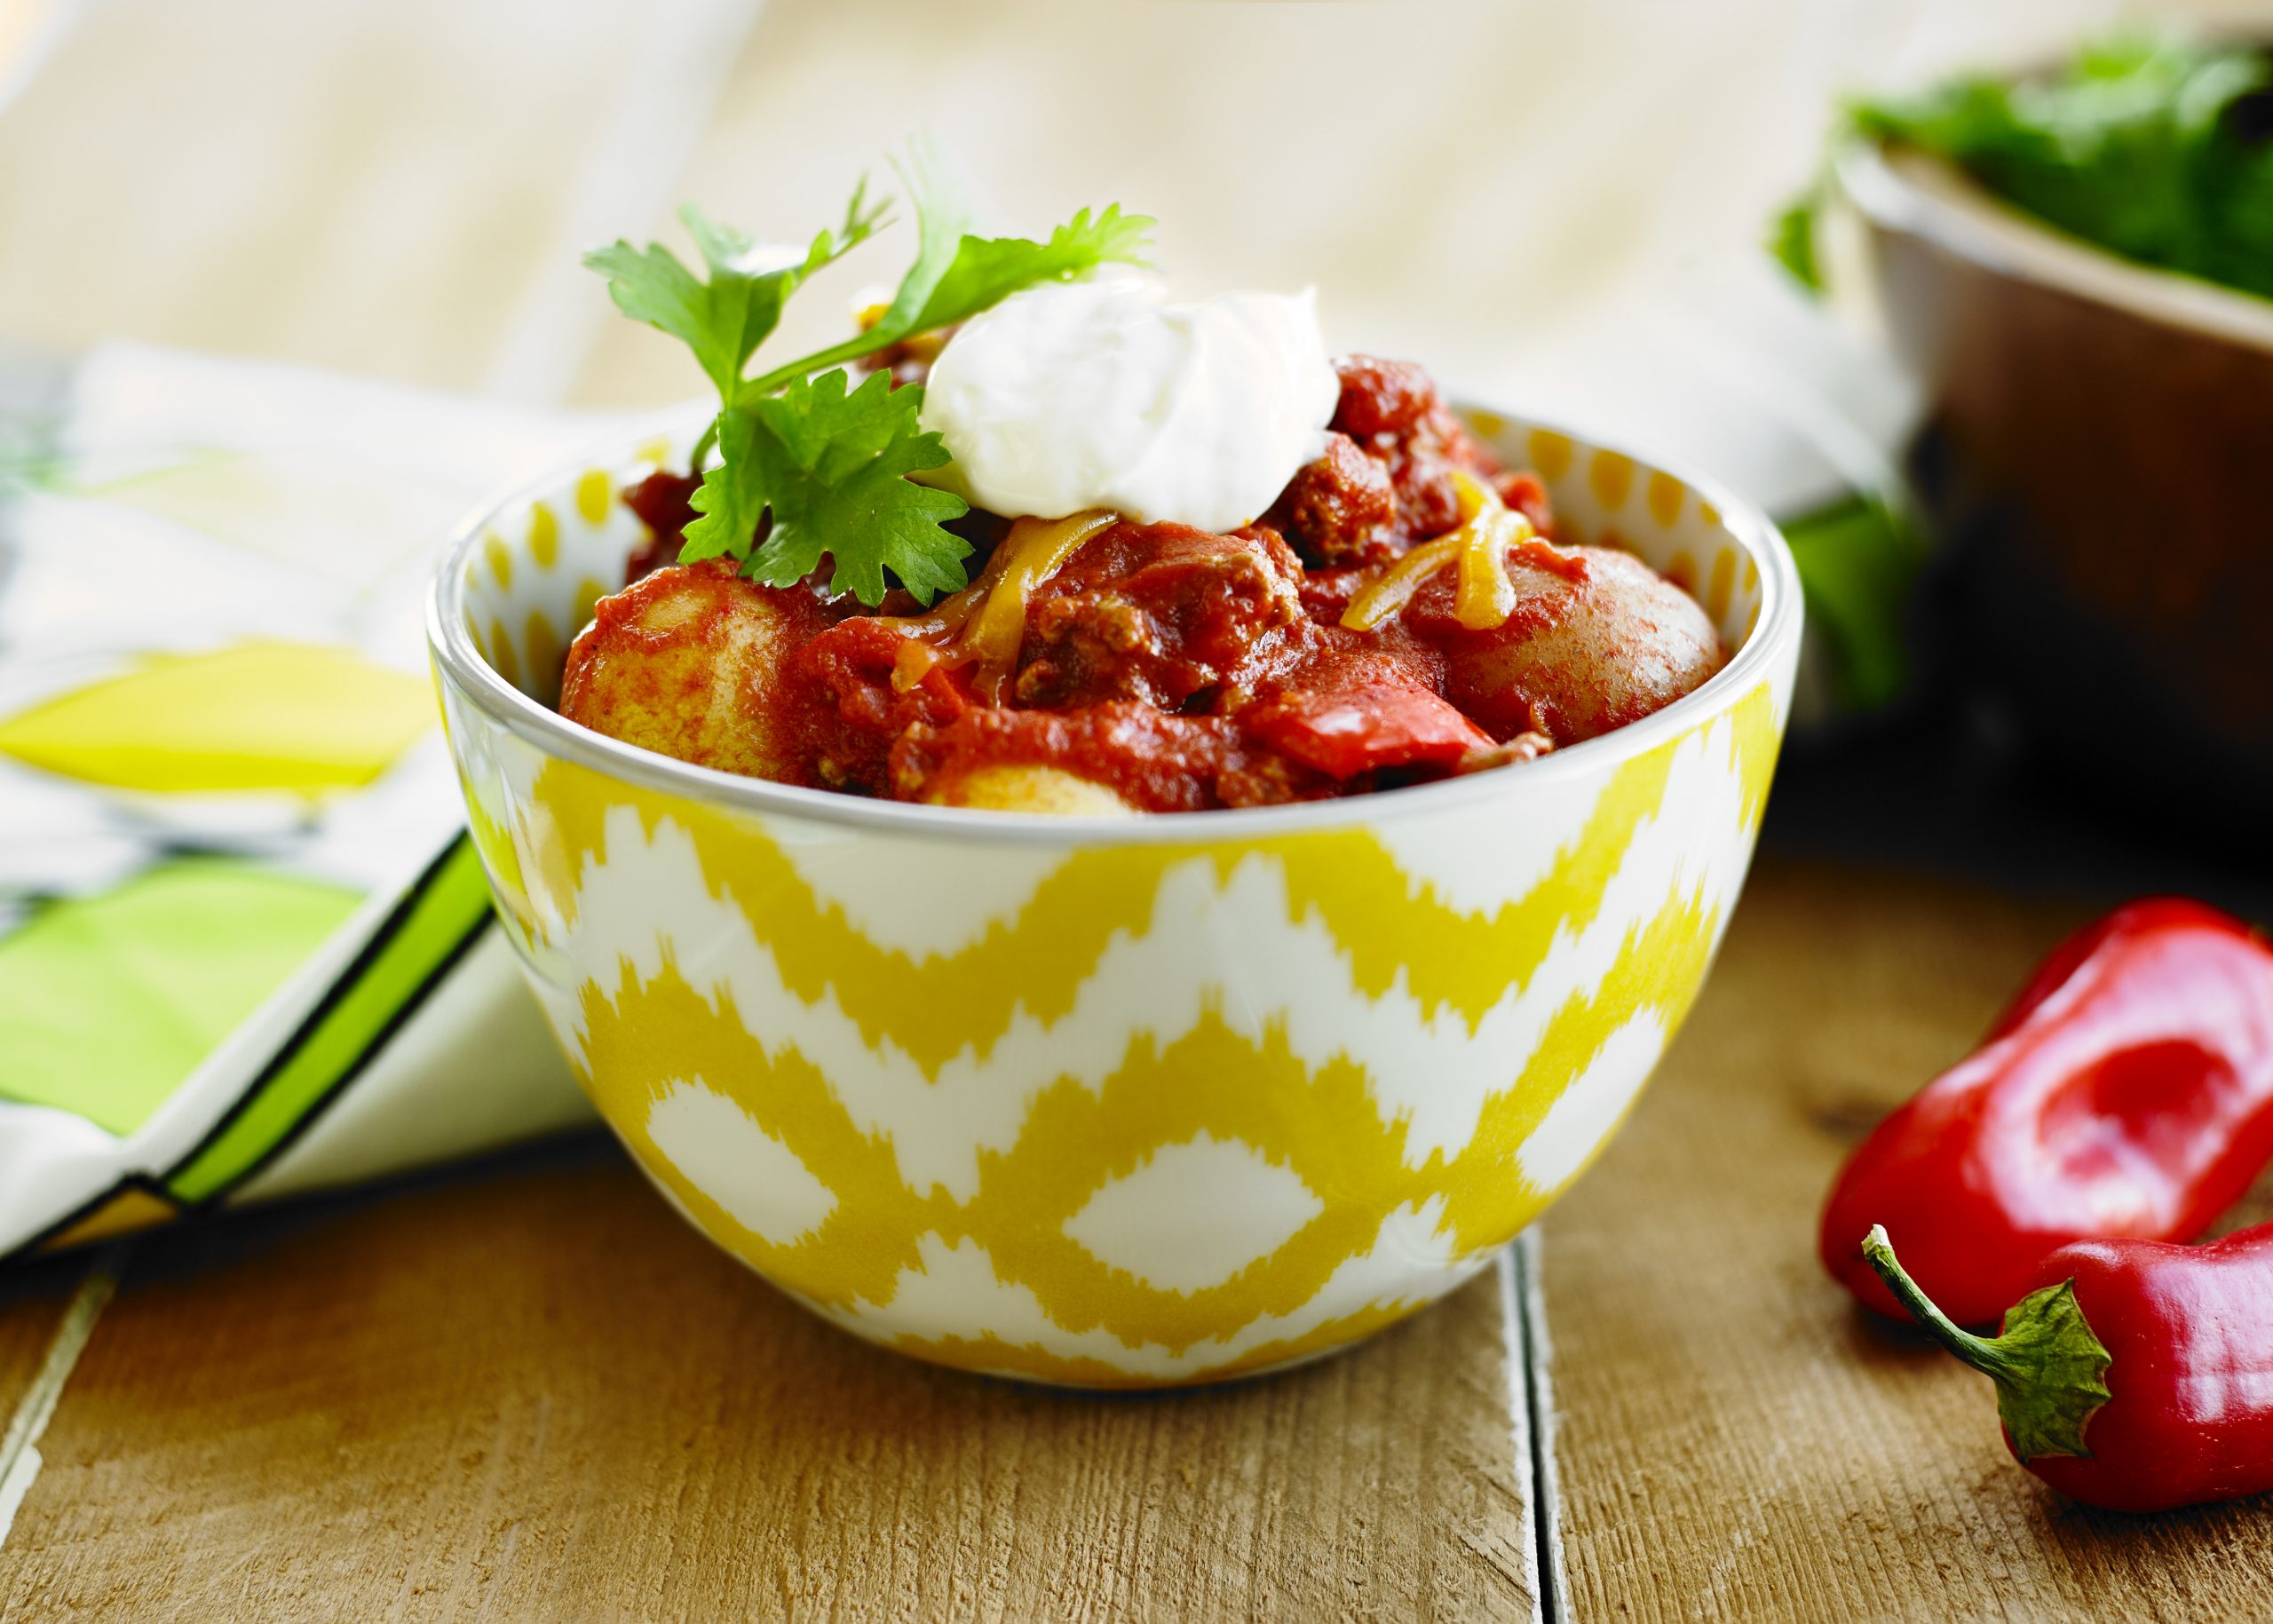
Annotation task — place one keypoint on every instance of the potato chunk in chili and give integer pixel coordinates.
(1577, 657)
(1032, 789)
(1159, 667)
(688, 662)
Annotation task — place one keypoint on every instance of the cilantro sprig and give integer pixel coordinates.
(827, 463)
(831, 466)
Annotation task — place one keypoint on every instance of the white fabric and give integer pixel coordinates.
(195, 501)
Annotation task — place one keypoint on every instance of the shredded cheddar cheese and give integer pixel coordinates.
(1485, 597)
(986, 621)
(1488, 532)
(1031, 554)
(1397, 586)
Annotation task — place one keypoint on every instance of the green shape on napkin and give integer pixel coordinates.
(431, 926)
(109, 1002)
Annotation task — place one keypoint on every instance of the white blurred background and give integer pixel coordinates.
(1536, 196)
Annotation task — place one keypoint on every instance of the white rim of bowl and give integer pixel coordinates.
(1928, 197)
(462, 664)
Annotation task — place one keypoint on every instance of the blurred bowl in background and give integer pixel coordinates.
(2096, 457)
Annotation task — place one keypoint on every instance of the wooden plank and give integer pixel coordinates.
(1735, 1440)
(541, 1394)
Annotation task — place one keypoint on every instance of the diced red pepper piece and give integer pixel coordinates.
(1357, 730)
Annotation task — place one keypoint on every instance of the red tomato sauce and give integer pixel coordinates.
(1182, 670)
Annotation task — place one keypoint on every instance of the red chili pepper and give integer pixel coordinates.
(2138, 1375)
(2127, 1091)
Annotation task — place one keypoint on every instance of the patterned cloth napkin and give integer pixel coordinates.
(245, 949)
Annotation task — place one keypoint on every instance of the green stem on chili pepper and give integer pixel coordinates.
(2050, 1367)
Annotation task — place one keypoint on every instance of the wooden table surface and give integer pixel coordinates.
(526, 1390)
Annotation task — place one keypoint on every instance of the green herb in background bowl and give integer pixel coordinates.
(2160, 150)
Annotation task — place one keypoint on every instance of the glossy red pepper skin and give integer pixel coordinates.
(1378, 726)
(2127, 1091)
(2188, 1332)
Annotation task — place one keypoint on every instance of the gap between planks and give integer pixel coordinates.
(19, 1457)
(1531, 1419)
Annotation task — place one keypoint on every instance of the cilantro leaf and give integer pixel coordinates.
(651, 285)
(987, 270)
(830, 466)
(943, 217)
(956, 275)
(730, 502)
(823, 467)
(725, 319)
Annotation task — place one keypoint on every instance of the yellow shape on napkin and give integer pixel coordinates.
(128, 1210)
(298, 717)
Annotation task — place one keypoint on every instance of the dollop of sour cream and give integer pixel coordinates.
(1106, 393)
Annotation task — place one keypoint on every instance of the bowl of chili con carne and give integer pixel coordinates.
(1114, 1101)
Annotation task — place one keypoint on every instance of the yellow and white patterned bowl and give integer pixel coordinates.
(1112, 1102)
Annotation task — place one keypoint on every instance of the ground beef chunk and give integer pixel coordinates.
(1523, 492)
(1391, 409)
(1385, 483)
(1382, 396)
(1159, 612)
(1422, 462)
(664, 501)
(1341, 509)
(849, 711)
